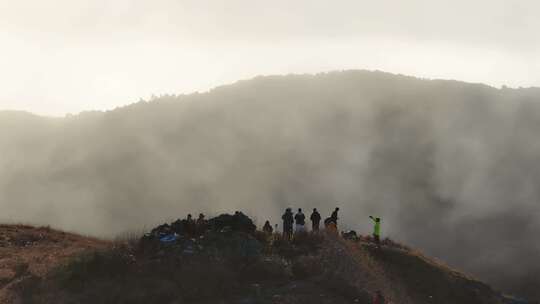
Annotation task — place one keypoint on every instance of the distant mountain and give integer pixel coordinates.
(451, 167)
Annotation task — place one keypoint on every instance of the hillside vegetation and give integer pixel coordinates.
(29, 253)
(451, 167)
(223, 268)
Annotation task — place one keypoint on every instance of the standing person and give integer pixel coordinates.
(201, 224)
(334, 216)
(330, 225)
(300, 219)
(376, 230)
(189, 225)
(288, 221)
(267, 228)
(315, 220)
(201, 219)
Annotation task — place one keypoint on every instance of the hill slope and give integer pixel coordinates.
(28, 253)
(452, 167)
(312, 269)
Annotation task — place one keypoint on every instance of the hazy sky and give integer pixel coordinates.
(66, 56)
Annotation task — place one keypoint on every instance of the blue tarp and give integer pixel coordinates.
(169, 238)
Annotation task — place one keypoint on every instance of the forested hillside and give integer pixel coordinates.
(451, 167)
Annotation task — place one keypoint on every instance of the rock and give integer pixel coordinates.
(238, 222)
(350, 235)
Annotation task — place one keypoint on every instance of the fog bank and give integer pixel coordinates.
(451, 167)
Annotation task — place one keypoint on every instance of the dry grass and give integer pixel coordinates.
(314, 268)
(29, 252)
(358, 266)
(415, 278)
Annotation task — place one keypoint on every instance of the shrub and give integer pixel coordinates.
(306, 266)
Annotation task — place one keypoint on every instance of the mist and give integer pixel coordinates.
(451, 167)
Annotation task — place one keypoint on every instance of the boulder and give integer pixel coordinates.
(238, 222)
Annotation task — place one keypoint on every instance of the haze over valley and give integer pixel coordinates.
(451, 167)
(117, 118)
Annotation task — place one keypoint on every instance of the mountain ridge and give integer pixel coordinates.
(278, 77)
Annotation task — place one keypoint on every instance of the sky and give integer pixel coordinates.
(68, 56)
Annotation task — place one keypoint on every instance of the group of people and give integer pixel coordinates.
(297, 222)
(291, 223)
(192, 226)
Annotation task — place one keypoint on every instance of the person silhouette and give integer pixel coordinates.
(315, 220)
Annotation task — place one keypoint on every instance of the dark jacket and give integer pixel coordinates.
(300, 219)
(288, 219)
(334, 216)
(268, 228)
(315, 217)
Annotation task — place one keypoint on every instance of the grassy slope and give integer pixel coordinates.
(28, 252)
(36, 265)
(406, 276)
